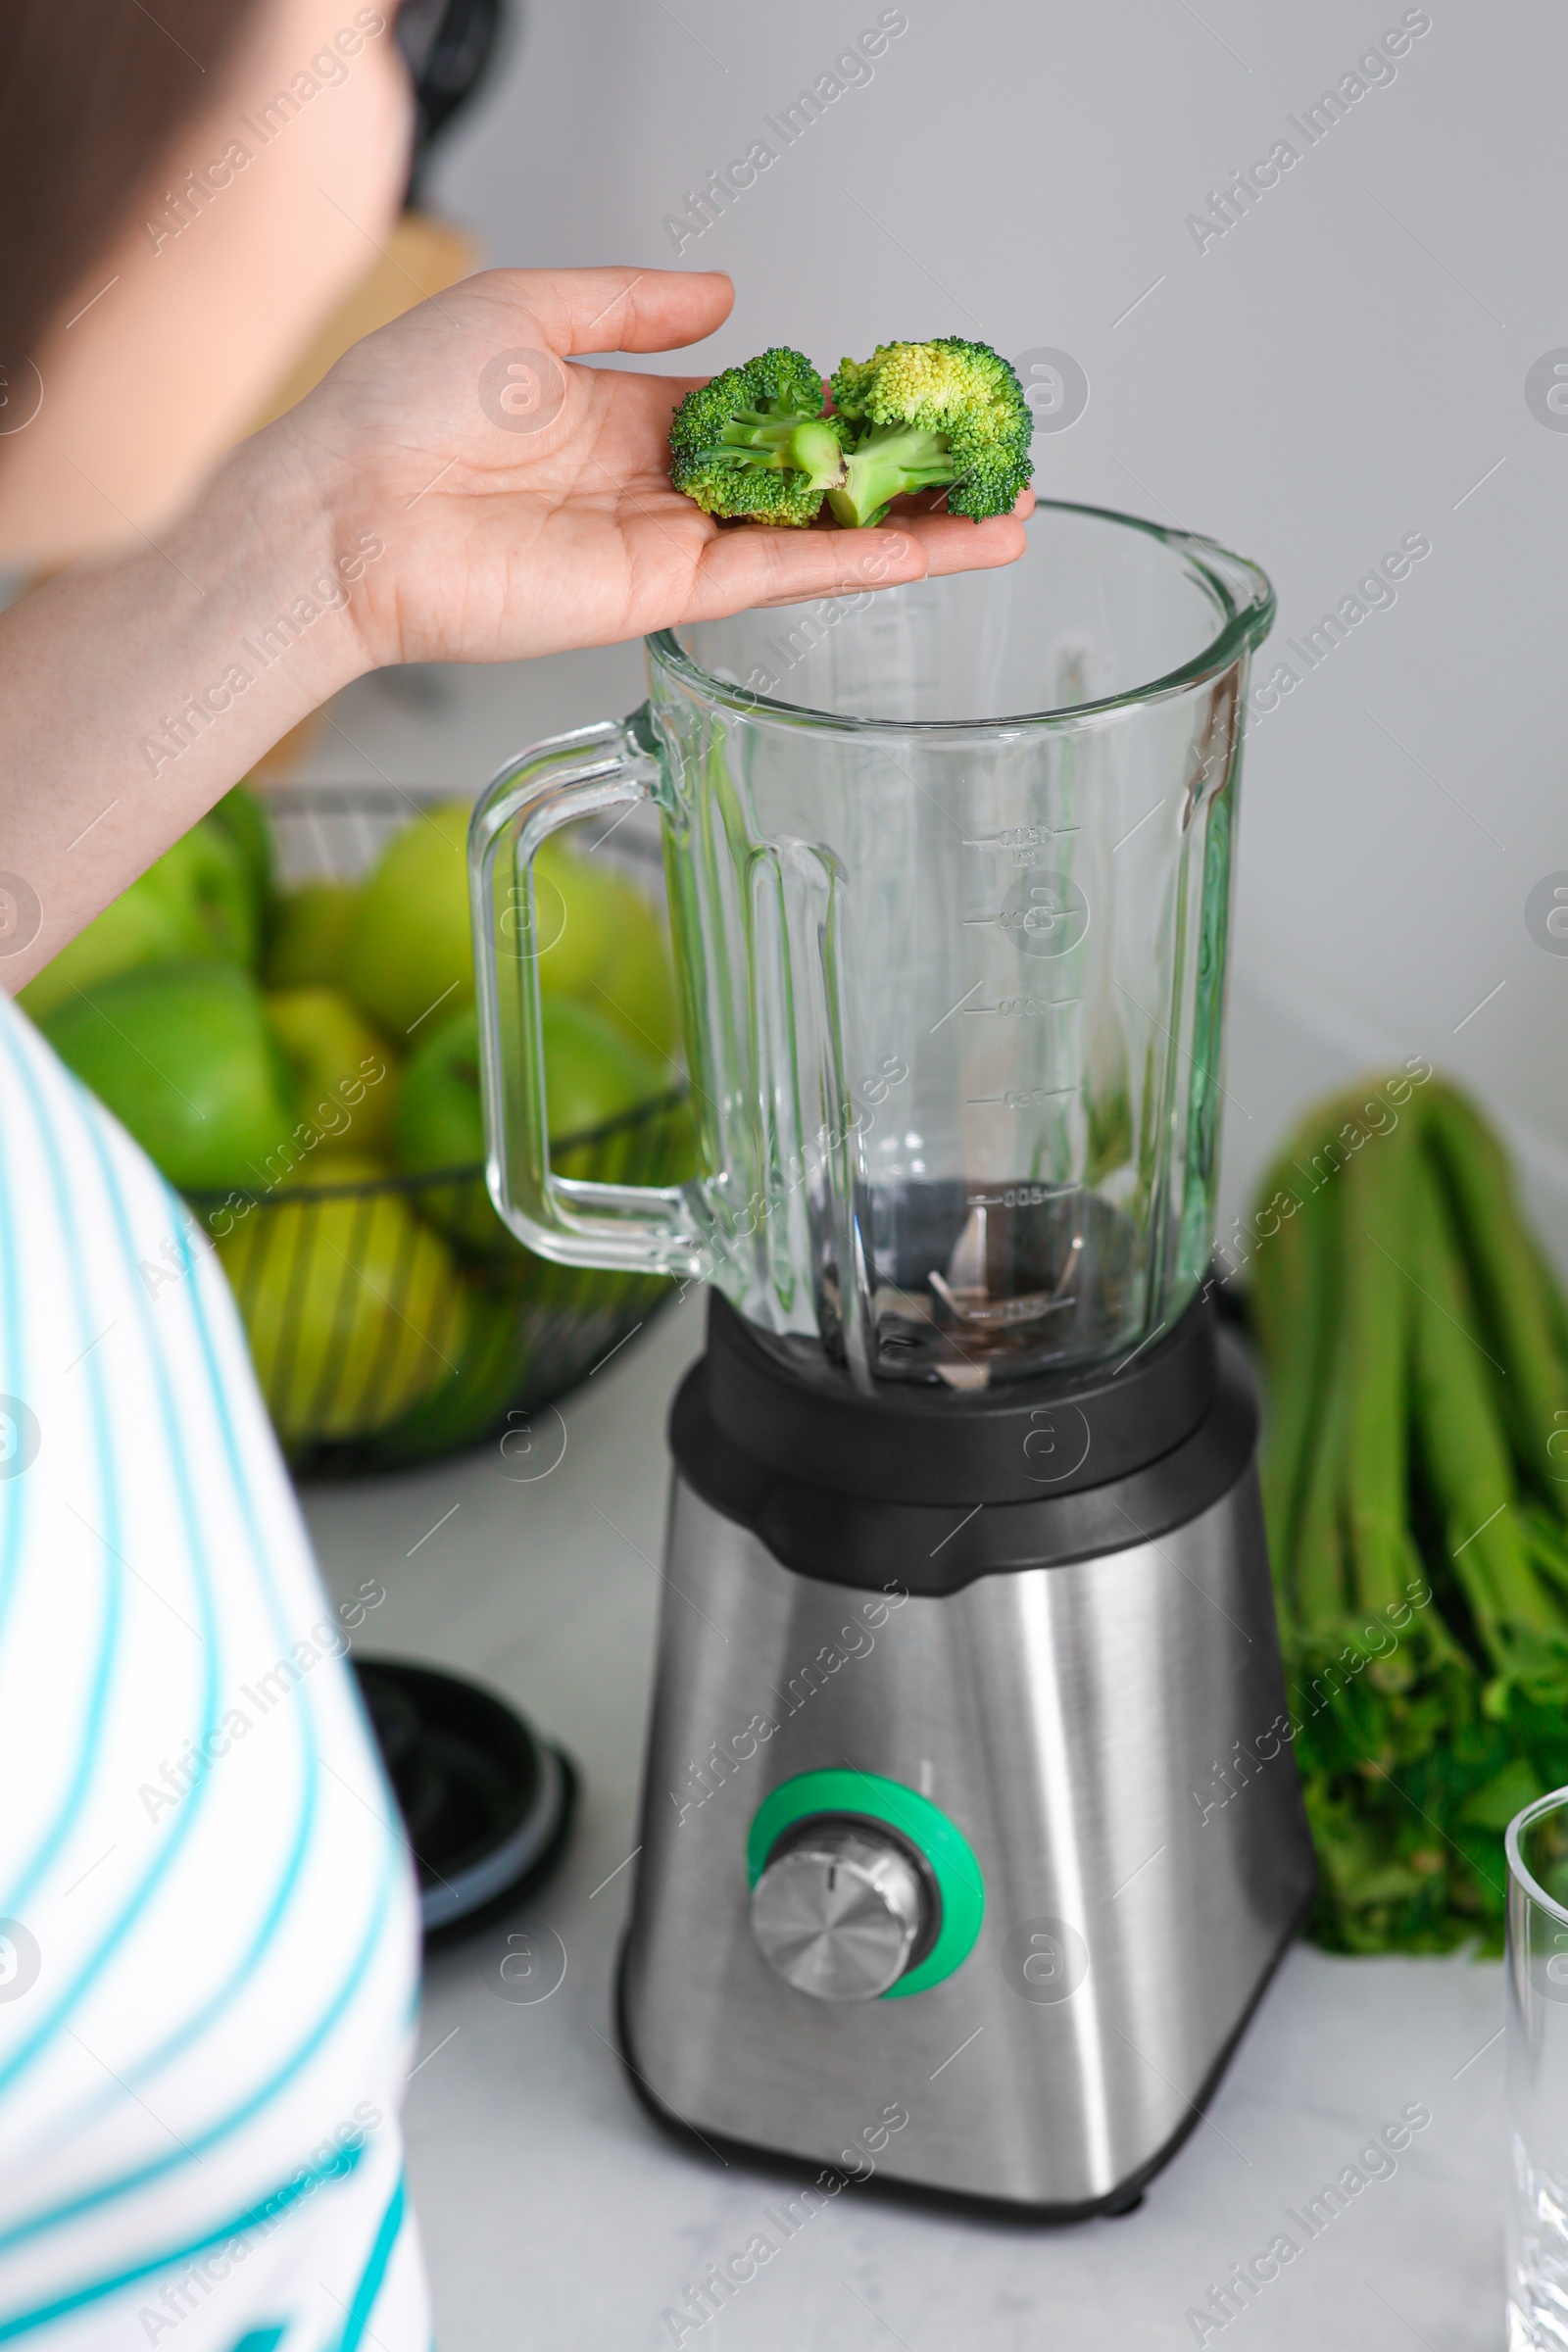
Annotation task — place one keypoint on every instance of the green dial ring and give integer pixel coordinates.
(926, 1827)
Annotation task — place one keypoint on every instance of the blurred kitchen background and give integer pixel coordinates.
(1345, 366)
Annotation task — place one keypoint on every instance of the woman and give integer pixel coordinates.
(207, 1920)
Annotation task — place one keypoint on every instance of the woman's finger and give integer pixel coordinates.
(620, 308)
(951, 543)
(753, 566)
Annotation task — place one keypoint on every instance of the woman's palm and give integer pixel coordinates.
(525, 503)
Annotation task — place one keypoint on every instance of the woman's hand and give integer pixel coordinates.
(525, 503)
(457, 490)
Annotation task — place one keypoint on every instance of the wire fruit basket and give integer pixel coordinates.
(392, 1318)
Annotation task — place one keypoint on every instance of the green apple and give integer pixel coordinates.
(440, 1125)
(602, 940)
(593, 1071)
(196, 900)
(577, 907)
(353, 1307)
(310, 933)
(592, 1074)
(471, 1401)
(345, 1075)
(183, 1057)
(240, 817)
(139, 927)
(409, 954)
(636, 987)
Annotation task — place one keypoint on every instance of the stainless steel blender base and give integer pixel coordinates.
(1112, 1738)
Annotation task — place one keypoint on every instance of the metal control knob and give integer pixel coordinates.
(839, 1912)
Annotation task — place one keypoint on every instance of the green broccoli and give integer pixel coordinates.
(928, 415)
(755, 441)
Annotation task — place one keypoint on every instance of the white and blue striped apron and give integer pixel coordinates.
(208, 1923)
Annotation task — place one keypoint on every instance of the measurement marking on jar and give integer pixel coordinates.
(1019, 1097)
(953, 1009)
(1033, 920)
(1022, 1196)
(1020, 837)
(1044, 913)
(1020, 1009)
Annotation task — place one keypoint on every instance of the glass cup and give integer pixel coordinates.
(1536, 1975)
(949, 869)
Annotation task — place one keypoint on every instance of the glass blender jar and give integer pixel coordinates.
(966, 1584)
(949, 871)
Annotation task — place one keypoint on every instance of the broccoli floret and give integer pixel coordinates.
(926, 416)
(755, 441)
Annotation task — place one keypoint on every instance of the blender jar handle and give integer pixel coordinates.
(651, 1228)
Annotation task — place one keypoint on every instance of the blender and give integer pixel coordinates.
(969, 1835)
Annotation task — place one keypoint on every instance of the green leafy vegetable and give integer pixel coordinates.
(948, 414)
(1415, 1356)
(755, 441)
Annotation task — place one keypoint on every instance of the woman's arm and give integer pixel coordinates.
(135, 692)
(453, 491)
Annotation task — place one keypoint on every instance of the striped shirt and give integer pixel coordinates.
(208, 1923)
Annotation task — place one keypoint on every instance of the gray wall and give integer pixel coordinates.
(1340, 368)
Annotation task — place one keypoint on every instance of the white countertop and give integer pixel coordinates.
(556, 2216)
